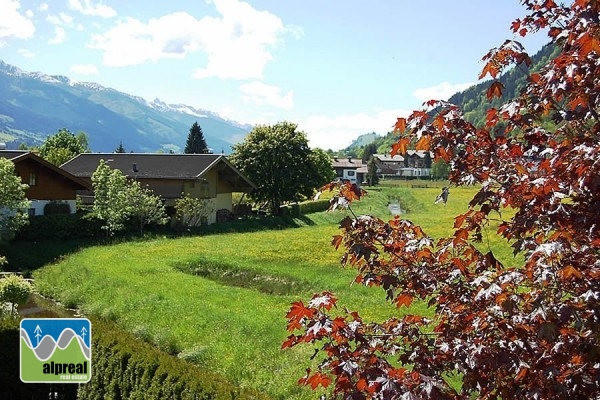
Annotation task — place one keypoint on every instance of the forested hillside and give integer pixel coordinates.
(473, 101)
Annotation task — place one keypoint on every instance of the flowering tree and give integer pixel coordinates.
(529, 331)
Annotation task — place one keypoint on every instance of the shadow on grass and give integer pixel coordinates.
(25, 256)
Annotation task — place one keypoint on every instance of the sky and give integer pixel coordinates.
(337, 68)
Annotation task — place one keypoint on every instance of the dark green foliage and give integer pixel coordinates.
(427, 159)
(63, 145)
(473, 101)
(372, 177)
(368, 151)
(120, 149)
(11, 387)
(126, 367)
(57, 207)
(440, 169)
(196, 144)
(60, 226)
(277, 158)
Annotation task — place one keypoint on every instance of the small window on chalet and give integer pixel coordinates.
(350, 173)
(204, 191)
(32, 179)
(31, 212)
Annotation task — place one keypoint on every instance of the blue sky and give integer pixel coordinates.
(336, 68)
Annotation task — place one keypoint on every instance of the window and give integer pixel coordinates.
(31, 212)
(32, 179)
(350, 173)
(204, 189)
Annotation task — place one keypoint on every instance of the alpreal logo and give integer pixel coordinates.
(56, 350)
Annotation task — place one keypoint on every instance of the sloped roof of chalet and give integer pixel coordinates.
(398, 158)
(388, 158)
(17, 156)
(160, 166)
(346, 162)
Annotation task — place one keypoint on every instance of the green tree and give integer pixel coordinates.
(192, 211)
(278, 160)
(323, 171)
(111, 198)
(13, 202)
(146, 207)
(120, 149)
(440, 169)
(368, 151)
(63, 145)
(372, 177)
(196, 144)
(427, 159)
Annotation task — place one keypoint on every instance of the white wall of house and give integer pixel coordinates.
(36, 207)
(350, 174)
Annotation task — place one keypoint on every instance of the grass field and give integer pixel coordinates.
(184, 294)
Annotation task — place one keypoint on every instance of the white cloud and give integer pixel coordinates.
(338, 132)
(84, 69)
(59, 36)
(29, 14)
(132, 42)
(60, 19)
(26, 53)
(43, 7)
(238, 43)
(13, 24)
(260, 94)
(87, 7)
(443, 91)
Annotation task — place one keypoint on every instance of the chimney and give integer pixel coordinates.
(349, 159)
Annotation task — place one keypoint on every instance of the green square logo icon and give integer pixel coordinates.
(56, 350)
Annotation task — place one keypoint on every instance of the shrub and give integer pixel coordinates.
(57, 207)
(125, 367)
(14, 289)
(60, 226)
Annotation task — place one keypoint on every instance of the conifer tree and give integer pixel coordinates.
(196, 144)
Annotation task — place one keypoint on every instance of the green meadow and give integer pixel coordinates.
(220, 300)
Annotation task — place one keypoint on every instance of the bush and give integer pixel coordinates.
(60, 226)
(14, 289)
(57, 207)
(126, 367)
(12, 388)
(308, 207)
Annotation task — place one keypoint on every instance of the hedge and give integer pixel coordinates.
(59, 227)
(11, 387)
(125, 367)
(306, 207)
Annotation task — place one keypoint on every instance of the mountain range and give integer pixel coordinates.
(34, 105)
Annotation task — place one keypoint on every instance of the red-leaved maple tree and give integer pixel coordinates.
(530, 331)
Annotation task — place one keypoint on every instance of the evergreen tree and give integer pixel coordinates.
(372, 176)
(196, 144)
(368, 151)
(120, 149)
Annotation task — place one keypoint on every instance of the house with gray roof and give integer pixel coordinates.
(46, 182)
(171, 176)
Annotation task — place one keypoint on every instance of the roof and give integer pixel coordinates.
(388, 158)
(398, 158)
(17, 156)
(347, 162)
(159, 166)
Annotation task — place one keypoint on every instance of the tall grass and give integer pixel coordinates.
(172, 291)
